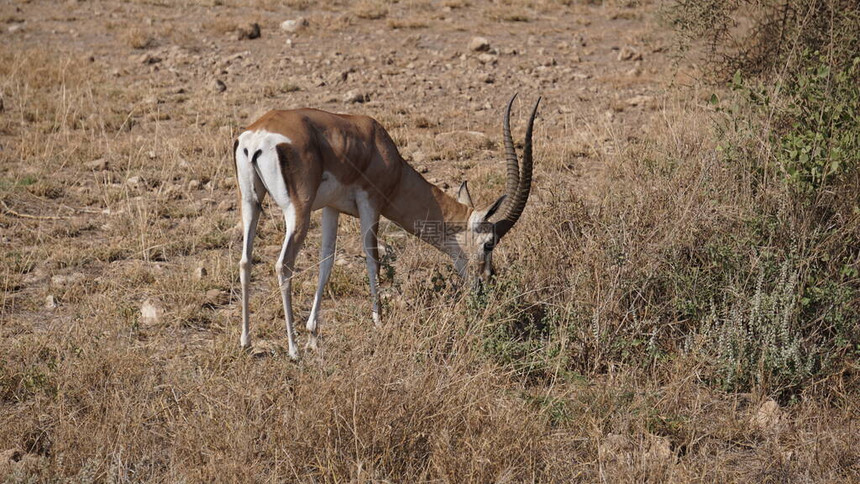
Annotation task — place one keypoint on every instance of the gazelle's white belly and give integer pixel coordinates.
(332, 193)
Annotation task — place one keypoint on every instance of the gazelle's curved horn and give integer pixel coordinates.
(513, 167)
(517, 200)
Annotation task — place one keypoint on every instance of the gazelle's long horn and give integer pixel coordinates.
(513, 167)
(515, 207)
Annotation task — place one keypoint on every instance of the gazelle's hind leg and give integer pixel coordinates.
(250, 215)
(369, 221)
(296, 230)
(252, 193)
(327, 249)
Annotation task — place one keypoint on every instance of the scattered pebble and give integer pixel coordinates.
(134, 182)
(294, 25)
(353, 97)
(218, 85)
(51, 302)
(629, 54)
(251, 31)
(150, 312)
(479, 44)
(200, 273)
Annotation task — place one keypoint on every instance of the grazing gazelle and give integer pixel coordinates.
(308, 160)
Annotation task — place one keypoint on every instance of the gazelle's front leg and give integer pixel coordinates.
(327, 249)
(369, 221)
(296, 229)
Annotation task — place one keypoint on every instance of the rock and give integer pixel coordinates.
(768, 417)
(100, 164)
(147, 59)
(479, 44)
(251, 31)
(150, 312)
(294, 25)
(487, 78)
(194, 185)
(15, 28)
(134, 182)
(486, 58)
(51, 302)
(200, 272)
(151, 155)
(218, 85)
(353, 97)
(629, 54)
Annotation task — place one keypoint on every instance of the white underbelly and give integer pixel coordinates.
(331, 193)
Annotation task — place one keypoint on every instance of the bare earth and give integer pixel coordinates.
(119, 318)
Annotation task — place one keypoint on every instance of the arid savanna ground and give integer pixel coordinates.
(119, 315)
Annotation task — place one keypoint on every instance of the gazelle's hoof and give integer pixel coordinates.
(313, 343)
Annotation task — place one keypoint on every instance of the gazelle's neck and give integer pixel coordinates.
(424, 210)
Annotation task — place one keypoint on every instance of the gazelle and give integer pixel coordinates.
(307, 160)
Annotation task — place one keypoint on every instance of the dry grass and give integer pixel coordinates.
(573, 368)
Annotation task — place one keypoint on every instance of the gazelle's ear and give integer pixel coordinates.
(463, 195)
(494, 207)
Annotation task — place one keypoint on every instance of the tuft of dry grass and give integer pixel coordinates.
(370, 9)
(138, 38)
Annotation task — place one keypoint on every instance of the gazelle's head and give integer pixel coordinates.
(485, 228)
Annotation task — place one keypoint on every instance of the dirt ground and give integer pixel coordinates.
(119, 318)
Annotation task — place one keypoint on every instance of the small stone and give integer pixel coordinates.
(479, 44)
(294, 25)
(51, 302)
(251, 31)
(151, 155)
(218, 85)
(150, 312)
(13, 455)
(629, 54)
(487, 78)
(200, 273)
(15, 28)
(486, 58)
(100, 164)
(356, 97)
(134, 182)
(194, 185)
(147, 59)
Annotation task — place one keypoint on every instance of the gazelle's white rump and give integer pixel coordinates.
(256, 153)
